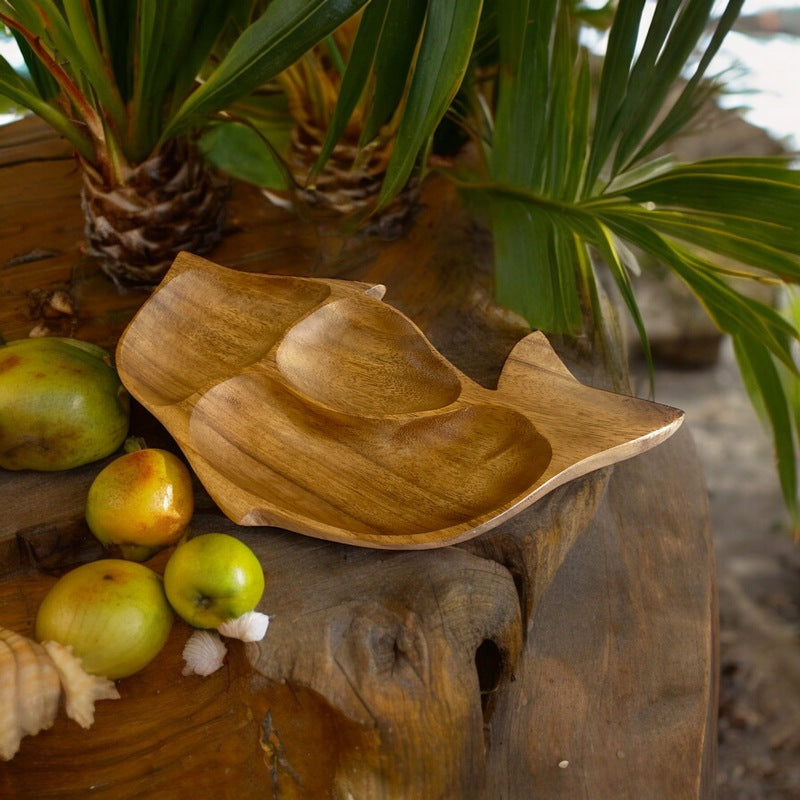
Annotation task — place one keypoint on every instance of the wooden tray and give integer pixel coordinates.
(311, 405)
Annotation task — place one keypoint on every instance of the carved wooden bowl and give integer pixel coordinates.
(311, 405)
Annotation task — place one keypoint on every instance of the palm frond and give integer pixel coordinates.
(120, 77)
(285, 31)
(442, 58)
(566, 178)
(375, 75)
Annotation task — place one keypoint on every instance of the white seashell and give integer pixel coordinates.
(203, 653)
(81, 690)
(29, 691)
(32, 676)
(10, 733)
(250, 627)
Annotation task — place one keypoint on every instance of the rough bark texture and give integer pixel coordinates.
(571, 652)
(137, 223)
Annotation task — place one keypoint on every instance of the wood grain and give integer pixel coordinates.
(581, 629)
(312, 405)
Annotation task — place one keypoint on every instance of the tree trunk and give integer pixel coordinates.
(138, 222)
(570, 652)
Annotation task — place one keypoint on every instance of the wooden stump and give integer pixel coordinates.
(570, 652)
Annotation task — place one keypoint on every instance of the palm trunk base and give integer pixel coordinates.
(348, 186)
(169, 203)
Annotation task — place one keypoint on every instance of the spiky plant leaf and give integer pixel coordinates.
(16, 88)
(442, 57)
(708, 222)
(376, 73)
(285, 31)
(763, 381)
(125, 71)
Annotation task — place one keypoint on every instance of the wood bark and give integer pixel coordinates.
(570, 652)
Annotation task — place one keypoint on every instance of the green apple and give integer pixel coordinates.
(141, 501)
(61, 404)
(212, 578)
(113, 613)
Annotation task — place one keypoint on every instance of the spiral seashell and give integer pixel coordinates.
(29, 690)
(32, 677)
(250, 627)
(203, 653)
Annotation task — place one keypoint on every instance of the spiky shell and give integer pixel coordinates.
(81, 690)
(29, 690)
(32, 677)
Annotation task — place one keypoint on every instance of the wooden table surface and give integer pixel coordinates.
(569, 653)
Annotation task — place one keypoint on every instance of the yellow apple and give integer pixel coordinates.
(141, 501)
(212, 578)
(61, 404)
(113, 613)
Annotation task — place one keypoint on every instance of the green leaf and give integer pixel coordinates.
(672, 37)
(393, 59)
(356, 75)
(382, 53)
(116, 22)
(614, 258)
(14, 87)
(285, 31)
(173, 41)
(444, 53)
(559, 104)
(536, 262)
(741, 209)
(732, 311)
(696, 91)
(520, 142)
(762, 198)
(578, 131)
(613, 84)
(243, 153)
(82, 33)
(43, 81)
(740, 239)
(763, 381)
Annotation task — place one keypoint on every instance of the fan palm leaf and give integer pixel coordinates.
(567, 186)
(693, 218)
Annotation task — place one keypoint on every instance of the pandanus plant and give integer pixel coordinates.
(131, 84)
(569, 180)
(569, 177)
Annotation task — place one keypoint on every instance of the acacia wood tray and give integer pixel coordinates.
(311, 405)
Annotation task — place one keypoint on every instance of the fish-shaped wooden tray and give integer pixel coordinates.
(311, 405)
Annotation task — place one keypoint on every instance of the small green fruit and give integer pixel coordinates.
(62, 404)
(213, 578)
(113, 613)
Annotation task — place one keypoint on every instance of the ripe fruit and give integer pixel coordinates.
(141, 501)
(213, 578)
(113, 613)
(61, 404)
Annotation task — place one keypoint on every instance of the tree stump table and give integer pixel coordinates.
(570, 652)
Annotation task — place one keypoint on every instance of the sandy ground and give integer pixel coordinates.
(759, 584)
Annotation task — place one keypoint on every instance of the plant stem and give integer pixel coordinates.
(78, 99)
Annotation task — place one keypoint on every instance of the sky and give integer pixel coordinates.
(763, 76)
(767, 75)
